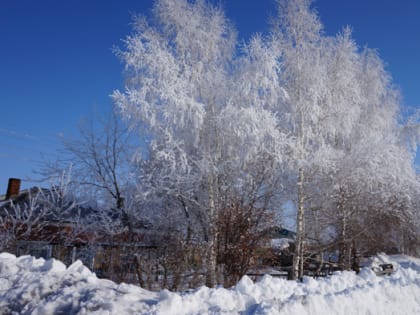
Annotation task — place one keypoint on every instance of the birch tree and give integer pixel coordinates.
(297, 31)
(362, 135)
(180, 90)
(295, 110)
(341, 119)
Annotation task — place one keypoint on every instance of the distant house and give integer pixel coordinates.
(281, 245)
(280, 237)
(39, 222)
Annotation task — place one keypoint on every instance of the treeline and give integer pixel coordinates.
(294, 115)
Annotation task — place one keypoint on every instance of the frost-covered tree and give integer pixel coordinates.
(295, 115)
(373, 160)
(180, 90)
(367, 159)
(297, 32)
(340, 118)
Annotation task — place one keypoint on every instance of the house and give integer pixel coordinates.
(39, 222)
(282, 247)
(46, 223)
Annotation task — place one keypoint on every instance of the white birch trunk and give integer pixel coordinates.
(300, 230)
(211, 258)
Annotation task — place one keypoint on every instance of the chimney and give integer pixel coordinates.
(13, 188)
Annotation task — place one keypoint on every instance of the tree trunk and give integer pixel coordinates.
(211, 257)
(300, 230)
(211, 264)
(138, 267)
(343, 243)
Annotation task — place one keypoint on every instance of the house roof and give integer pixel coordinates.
(277, 232)
(64, 211)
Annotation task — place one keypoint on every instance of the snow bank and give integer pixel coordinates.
(36, 286)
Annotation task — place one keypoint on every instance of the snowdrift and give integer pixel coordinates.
(36, 286)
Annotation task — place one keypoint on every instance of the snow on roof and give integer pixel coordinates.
(280, 243)
(35, 286)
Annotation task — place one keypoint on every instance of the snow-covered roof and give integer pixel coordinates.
(280, 243)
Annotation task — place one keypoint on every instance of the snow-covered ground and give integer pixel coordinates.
(36, 286)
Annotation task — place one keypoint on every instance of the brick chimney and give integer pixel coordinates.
(13, 188)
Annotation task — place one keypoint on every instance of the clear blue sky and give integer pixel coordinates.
(56, 61)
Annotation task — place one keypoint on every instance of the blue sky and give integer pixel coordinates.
(57, 65)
